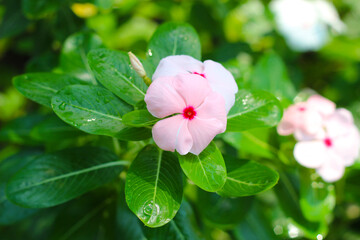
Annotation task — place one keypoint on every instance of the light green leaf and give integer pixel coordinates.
(153, 187)
(246, 178)
(253, 109)
(139, 118)
(270, 74)
(73, 57)
(173, 39)
(41, 87)
(207, 170)
(91, 109)
(55, 178)
(112, 69)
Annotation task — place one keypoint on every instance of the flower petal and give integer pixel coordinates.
(331, 170)
(213, 107)
(162, 99)
(193, 88)
(322, 105)
(311, 154)
(221, 81)
(203, 132)
(347, 146)
(172, 133)
(178, 64)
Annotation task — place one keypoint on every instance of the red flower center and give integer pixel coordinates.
(301, 109)
(328, 142)
(189, 113)
(200, 74)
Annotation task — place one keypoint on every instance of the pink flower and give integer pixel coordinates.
(198, 113)
(332, 150)
(305, 119)
(220, 79)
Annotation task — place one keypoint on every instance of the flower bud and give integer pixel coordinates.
(137, 65)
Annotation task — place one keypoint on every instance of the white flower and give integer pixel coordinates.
(304, 23)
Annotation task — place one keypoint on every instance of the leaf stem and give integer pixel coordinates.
(117, 148)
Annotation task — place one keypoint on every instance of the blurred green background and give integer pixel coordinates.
(34, 33)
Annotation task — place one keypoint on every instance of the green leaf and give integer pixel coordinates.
(13, 21)
(112, 69)
(222, 212)
(317, 198)
(153, 186)
(207, 170)
(11, 213)
(53, 129)
(18, 131)
(41, 87)
(254, 109)
(55, 178)
(270, 74)
(173, 39)
(39, 8)
(139, 118)
(246, 178)
(182, 227)
(73, 58)
(91, 109)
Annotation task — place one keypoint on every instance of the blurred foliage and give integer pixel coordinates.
(35, 36)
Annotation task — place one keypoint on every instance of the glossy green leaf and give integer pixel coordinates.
(91, 109)
(207, 170)
(254, 109)
(73, 57)
(139, 118)
(10, 212)
(39, 8)
(182, 227)
(55, 178)
(53, 129)
(173, 39)
(222, 212)
(153, 187)
(41, 87)
(270, 74)
(112, 69)
(246, 178)
(18, 131)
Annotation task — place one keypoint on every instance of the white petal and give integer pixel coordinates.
(178, 64)
(332, 169)
(311, 154)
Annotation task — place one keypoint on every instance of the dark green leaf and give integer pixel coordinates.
(139, 118)
(207, 170)
(246, 178)
(55, 178)
(39, 8)
(153, 187)
(10, 212)
(173, 39)
(13, 21)
(270, 74)
(92, 109)
(112, 69)
(254, 109)
(41, 87)
(73, 58)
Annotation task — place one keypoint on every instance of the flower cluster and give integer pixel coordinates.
(327, 138)
(304, 23)
(195, 97)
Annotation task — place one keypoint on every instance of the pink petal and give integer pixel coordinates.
(213, 107)
(332, 169)
(203, 132)
(292, 119)
(339, 123)
(347, 146)
(193, 88)
(162, 99)
(178, 64)
(172, 133)
(311, 154)
(221, 81)
(322, 105)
